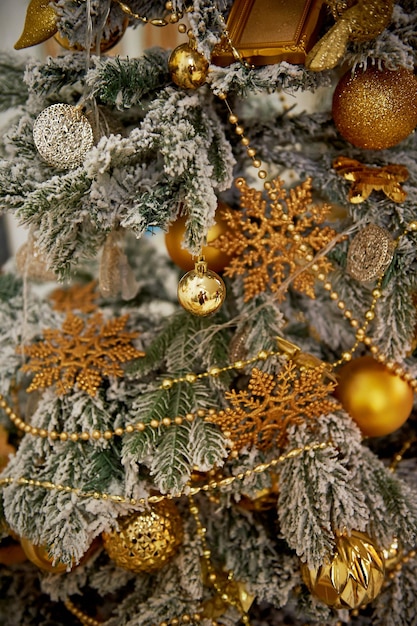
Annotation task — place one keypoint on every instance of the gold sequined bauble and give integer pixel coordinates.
(63, 135)
(378, 400)
(188, 67)
(201, 291)
(375, 109)
(146, 541)
(39, 556)
(106, 43)
(40, 24)
(216, 259)
(352, 578)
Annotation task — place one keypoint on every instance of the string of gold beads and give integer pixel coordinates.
(173, 18)
(154, 499)
(212, 575)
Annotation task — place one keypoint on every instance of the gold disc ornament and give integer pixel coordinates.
(378, 400)
(216, 258)
(63, 135)
(146, 541)
(201, 291)
(370, 252)
(375, 109)
(188, 67)
(352, 578)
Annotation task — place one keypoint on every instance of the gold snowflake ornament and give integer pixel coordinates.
(268, 241)
(77, 297)
(261, 415)
(81, 354)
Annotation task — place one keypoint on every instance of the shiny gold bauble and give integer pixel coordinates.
(378, 400)
(106, 43)
(353, 577)
(376, 109)
(146, 541)
(393, 555)
(40, 24)
(39, 556)
(201, 291)
(216, 259)
(188, 67)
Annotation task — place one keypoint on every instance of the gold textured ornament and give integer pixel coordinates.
(63, 135)
(40, 24)
(366, 179)
(201, 291)
(353, 577)
(265, 31)
(378, 400)
(115, 274)
(370, 252)
(216, 258)
(30, 262)
(187, 66)
(146, 541)
(39, 556)
(375, 109)
(361, 22)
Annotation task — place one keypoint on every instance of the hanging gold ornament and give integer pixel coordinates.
(106, 43)
(354, 575)
(146, 541)
(201, 291)
(63, 135)
(378, 400)
(40, 557)
(187, 66)
(216, 258)
(361, 22)
(375, 109)
(40, 24)
(30, 262)
(370, 252)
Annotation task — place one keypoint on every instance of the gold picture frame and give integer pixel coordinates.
(270, 31)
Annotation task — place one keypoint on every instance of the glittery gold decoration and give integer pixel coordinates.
(260, 415)
(303, 359)
(81, 354)
(77, 297)
(188, 67)
(201, 291)
(63, 135)
(361, 22)
(235, 590)
(370, 253)
(375, 109)
(146, 541)
(393, 554)
(267, 244)
(366, 179)
(115, 274)
(40, 24)
(30, 262)
(353, 577)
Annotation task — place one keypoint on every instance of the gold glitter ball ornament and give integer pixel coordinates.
(375, 109)
(352, 578)
(188, 67)
(146, 541)
(63, 135)
(201, 291)
(370, 253)
(378, 400)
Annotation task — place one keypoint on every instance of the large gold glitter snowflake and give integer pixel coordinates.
(80, 354)
(261, 415)
(269, 240)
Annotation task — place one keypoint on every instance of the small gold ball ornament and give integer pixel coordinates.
(201, 291)
(146, 541)
(375, 109)
(378, 400)
(216, 259)
(188, 67)
(353, 577)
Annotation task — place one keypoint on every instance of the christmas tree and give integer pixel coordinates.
(209, 338)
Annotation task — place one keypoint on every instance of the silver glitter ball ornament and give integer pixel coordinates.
(63, 135)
